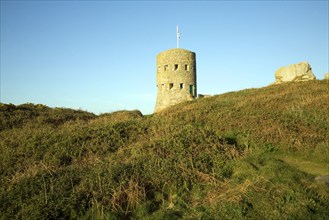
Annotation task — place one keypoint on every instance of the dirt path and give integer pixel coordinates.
(324, 179)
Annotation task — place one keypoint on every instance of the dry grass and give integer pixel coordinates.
(246, 154)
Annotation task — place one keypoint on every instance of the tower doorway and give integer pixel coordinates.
(192, 90)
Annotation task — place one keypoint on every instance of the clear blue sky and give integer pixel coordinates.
(100, 56)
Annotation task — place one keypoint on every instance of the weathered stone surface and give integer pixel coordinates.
(175, 77)
(294, 73)
(326, 76)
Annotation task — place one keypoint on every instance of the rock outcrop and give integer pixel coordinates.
(326, 76)
(294, 73)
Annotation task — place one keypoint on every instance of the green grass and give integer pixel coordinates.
(307, 166)
(250, 154)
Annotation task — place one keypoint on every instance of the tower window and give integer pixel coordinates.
(171, 85)
(165, 67)
(186, 67)
(176, 67)
(181, 86)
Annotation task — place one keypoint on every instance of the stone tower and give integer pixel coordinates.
(175, 77)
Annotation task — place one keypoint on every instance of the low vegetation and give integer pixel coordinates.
(251, 154)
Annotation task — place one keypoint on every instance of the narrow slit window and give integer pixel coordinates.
(162, 86)
(165, 67)
(186, 67)
(181, 86)
(176, 67)
(171, 85)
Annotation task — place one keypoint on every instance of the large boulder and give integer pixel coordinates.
(326, 76)
(294, 73)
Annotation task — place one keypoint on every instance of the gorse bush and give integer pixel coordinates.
(248, 154)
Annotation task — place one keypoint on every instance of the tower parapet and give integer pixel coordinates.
(175, 77)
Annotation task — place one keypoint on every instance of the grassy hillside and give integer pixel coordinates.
(255, 153)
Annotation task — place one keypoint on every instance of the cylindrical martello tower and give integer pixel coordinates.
(175, 77)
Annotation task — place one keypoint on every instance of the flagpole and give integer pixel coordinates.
(177, 36)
